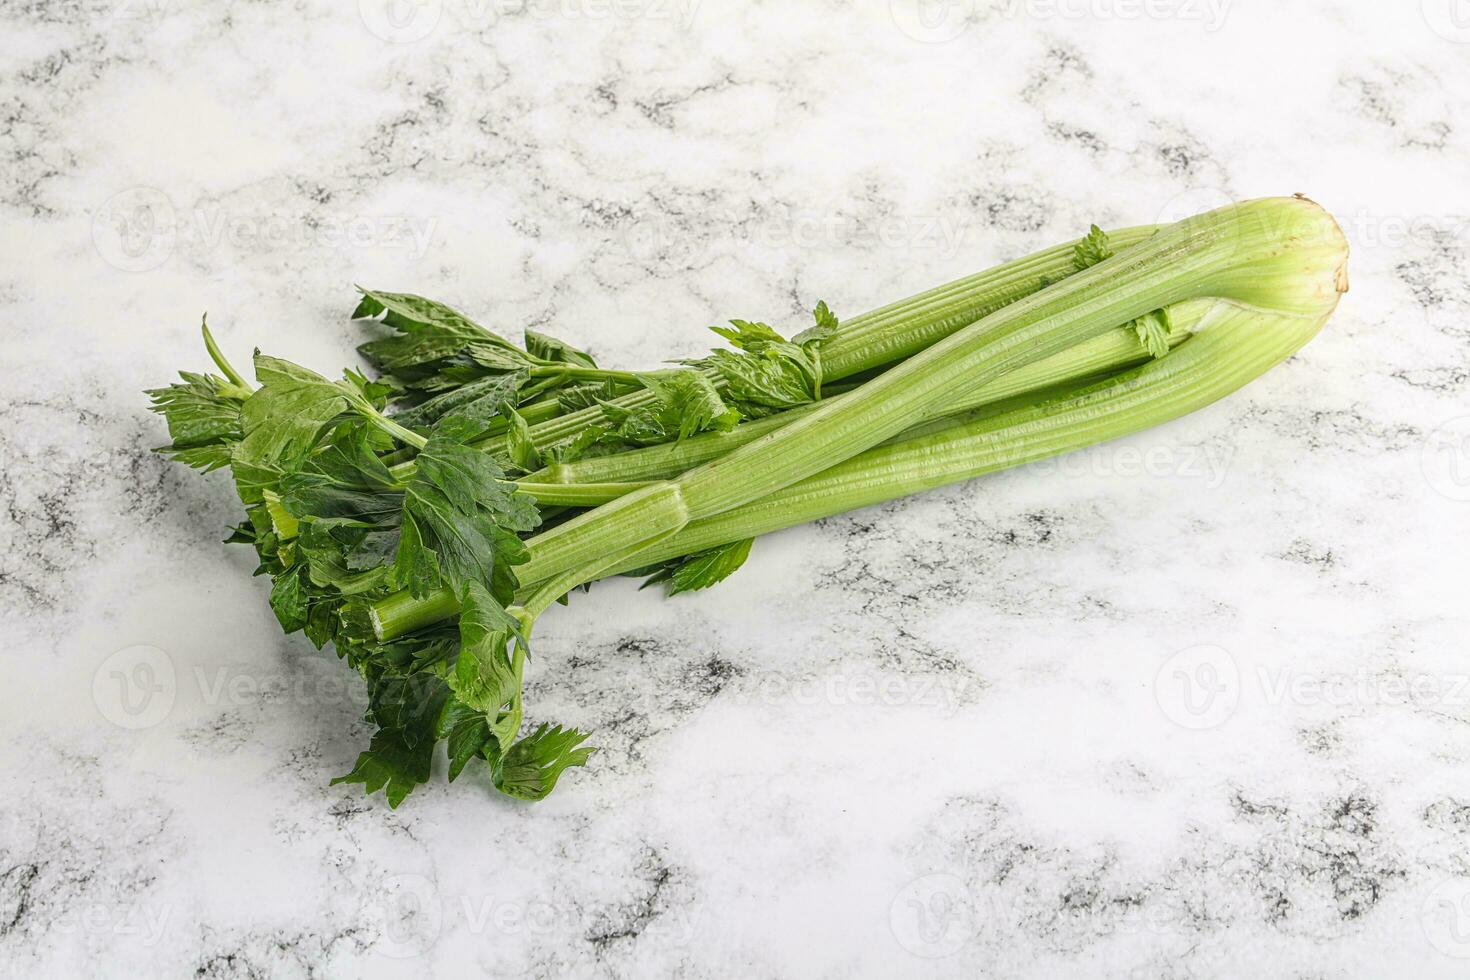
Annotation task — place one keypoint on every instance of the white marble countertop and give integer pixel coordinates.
(1191, 705)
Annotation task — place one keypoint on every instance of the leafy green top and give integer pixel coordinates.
(767, 372)
(338, 526)
(335, 530)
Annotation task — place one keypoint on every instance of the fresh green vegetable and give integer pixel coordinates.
(1253, 253)
(876, 339)
(1235, 345)
(1108, 352)
(389, 518)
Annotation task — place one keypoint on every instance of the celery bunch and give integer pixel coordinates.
(421, 520)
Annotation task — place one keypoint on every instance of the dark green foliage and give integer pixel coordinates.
(338, 521)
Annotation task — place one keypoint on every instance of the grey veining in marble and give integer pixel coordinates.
(1190, 705)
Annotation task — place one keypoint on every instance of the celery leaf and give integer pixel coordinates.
(529, 769)
(480, 400)
(703, 569)
(407, 711)
(686, 402)
(1093, 249)
(432, 340)
(460, 518)
(486, 676)
(1153, 332)
(466, 733)
(203, 416)
(283, 419)
(557, 351)
(768, 371)
(518, 439)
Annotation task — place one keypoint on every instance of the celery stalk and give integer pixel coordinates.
(1281, 256)
(1239, 345)
(1109, 352)
(898, 330)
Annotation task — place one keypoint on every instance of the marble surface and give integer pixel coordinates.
(1191, 705)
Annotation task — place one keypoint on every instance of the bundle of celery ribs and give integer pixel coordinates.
(421, 520)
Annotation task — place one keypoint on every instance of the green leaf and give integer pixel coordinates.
(497, 357)
(1153, 332)
(349, 456)
(575, 397)
(770, 371)
(529, 769)
(703, 569)
(771, 380)
(825, 319)
(518, 438)
(825, 325)
(687, 402)
(206, 459)
(579, 445)
(471, 479)
(421, 321)
(203, 416)
(284, 418)
(241, 534)
(486, 675)
(289, 599)
(1093, 249)
(350, 560)
(316, 496)
(480, 400)
(550, 349)
(322, 623)
(641, 426)
(407, 711)
(253, 480)
(430, 333)
(467, 735)
(748, 335)
(375, 393)
(460, 518)
(416, 563)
